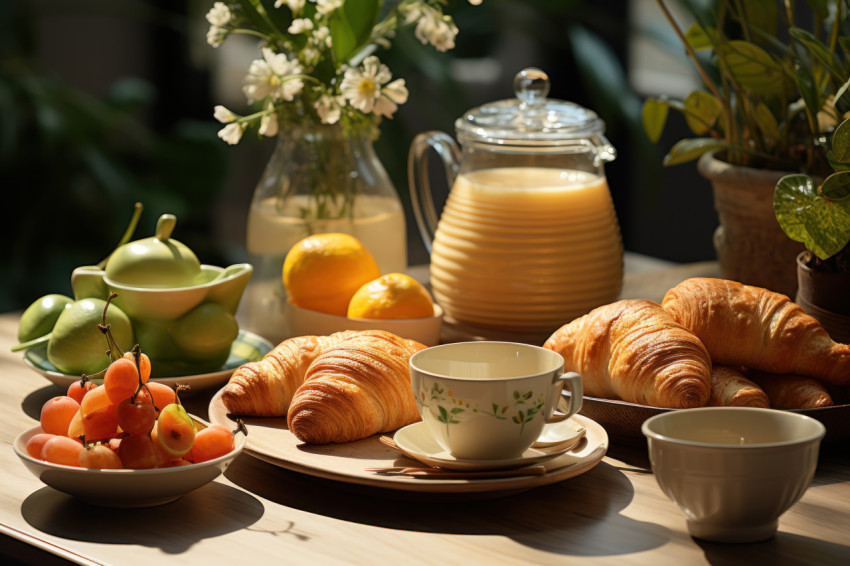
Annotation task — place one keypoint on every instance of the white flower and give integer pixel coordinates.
(475, 2)
(329, 108)
(392, 95)
(223, 115)
(300, 25)
(216, 35)
(294, 5)
(325, 7)
(271, 76)
(268, 123)
(433, 27)
(322, 35)
(361, 86)
(232, 133)
(219, 14)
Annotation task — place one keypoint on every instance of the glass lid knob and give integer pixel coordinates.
(531, 86)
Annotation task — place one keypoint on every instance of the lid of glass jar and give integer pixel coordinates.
(531, 118)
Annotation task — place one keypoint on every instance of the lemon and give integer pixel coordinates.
(323, 271)
(392, 296)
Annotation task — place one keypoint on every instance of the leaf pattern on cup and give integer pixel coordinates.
(450, 407)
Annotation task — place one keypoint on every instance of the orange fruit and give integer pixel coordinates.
(323, 271)
(392, 296)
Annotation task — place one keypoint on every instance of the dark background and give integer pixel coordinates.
(106, 103)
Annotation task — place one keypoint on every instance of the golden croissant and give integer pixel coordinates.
(749, 326)
(792, 391)
(265, 388)
(359, 388)
(635, 351)
(731, 388)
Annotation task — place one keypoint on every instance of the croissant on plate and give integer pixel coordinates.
(265, 388)
(731, 388)
(749, 326)
(634, 350)
(359, 388)
(792, 391)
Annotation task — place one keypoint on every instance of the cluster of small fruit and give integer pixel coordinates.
(128, 422)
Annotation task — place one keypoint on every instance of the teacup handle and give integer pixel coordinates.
(572, 381)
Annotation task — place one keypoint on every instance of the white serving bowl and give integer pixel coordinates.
(305, 322)
(733, 470)
(125, 488)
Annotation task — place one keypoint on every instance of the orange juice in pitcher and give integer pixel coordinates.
(528, 238)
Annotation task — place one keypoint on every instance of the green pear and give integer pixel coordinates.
(41, 316)
(205, 331)
(77, 346)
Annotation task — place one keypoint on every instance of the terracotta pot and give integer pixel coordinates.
(825, 296)
(750, 245)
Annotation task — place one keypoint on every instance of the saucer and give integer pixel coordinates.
(248, 347)
(415, 442)
(566, 432)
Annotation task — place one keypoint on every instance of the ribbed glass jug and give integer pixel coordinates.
(528, 238)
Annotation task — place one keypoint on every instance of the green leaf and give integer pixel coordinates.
(701, 111)
(654, 117)
(812, 215)
(699, 38)
(351, 27)
(752, 67)
(690, 149)
(766, 121)
(817, 48)
(839, 153)
(762, 15)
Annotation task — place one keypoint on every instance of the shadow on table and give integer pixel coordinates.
(579, 516)
(205, 513)
(785, 549)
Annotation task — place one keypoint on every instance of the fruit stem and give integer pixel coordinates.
(128, 233)
(111, 344)
(31, 343)
(240, 427)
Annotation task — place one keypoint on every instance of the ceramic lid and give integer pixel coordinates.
(533, 119)
(156, 262)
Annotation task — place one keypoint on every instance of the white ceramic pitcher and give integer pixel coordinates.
(528, 238)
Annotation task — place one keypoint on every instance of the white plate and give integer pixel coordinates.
(271, 441)
(248, 347)
(125, 488)
(567, 432)
(417, 443)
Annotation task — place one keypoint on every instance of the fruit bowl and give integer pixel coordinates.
(305, 322)
(125, 488)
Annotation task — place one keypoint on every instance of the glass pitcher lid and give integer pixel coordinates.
(531, 118)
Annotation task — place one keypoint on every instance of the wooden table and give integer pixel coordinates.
(258, 513)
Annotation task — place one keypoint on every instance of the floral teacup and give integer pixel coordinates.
(490, 400)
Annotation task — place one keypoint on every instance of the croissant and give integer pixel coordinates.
(635, 351)
(749, 326)
(359, 388)
(265, 388)
(792, 391)
(730, 388)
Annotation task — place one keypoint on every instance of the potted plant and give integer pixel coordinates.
(773, 90)
(818, 215)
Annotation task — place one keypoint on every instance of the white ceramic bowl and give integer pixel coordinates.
(733, 470)
(305, 322)
(125, 488)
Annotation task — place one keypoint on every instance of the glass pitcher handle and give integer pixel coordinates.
(418, 181)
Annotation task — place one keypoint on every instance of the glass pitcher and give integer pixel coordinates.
(528, 238)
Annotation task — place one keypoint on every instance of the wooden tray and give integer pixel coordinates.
(270, 440)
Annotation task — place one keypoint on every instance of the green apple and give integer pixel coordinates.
(77, 346)
(206, 331)
(41, 316)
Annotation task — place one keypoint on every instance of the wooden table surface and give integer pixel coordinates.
(257, 513)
